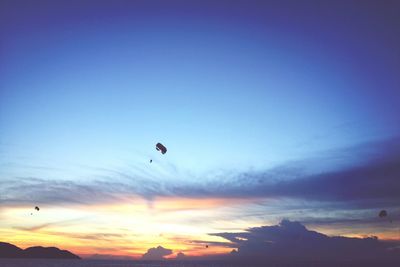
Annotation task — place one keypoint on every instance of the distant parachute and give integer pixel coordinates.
(382, 214)
(151, 161)
(161, 148)
(206, 246)
(36, 208)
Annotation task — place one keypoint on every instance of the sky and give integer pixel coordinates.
(274, 113)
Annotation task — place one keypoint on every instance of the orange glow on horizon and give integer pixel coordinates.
(118, 228)
(133, 226)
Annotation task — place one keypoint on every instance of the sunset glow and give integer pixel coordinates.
(278, 123)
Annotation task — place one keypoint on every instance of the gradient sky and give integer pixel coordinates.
(269, 110)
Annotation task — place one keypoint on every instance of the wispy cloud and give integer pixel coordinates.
(46, 225)
(372, 182)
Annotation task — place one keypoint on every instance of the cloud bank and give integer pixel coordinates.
(156, 254)
(180, 256)
(290, 241)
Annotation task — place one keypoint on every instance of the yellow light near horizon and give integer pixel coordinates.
(119, 226)
(133, 226)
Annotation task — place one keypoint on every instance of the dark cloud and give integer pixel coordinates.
(32, 190)
(34, 228)
(180, 256)
(46, 225)
(369, 183)
(373, 179)
(157, 253)
(357, 219)
(290, 241)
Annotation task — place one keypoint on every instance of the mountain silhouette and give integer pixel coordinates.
(8, 250)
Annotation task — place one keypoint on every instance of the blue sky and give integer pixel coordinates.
(231, 88)
(220, 85)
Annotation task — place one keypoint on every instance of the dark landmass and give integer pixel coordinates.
(8, 250)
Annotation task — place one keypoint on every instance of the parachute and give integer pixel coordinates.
(161, 148)
(382, 214)
(36, 208)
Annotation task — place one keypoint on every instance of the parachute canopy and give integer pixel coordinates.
(382, 213)
(161, 148)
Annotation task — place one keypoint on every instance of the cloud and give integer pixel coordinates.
(334, 178)
(23, 190)
(34, 228)
(375, 178)
(293, 241)
(369, 183)
(157, 253)
(180, 256)
(45, 225)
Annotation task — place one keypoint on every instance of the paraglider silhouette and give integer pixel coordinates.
(36, 208)
(160, 147)
(206, 246)
(382, 213)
